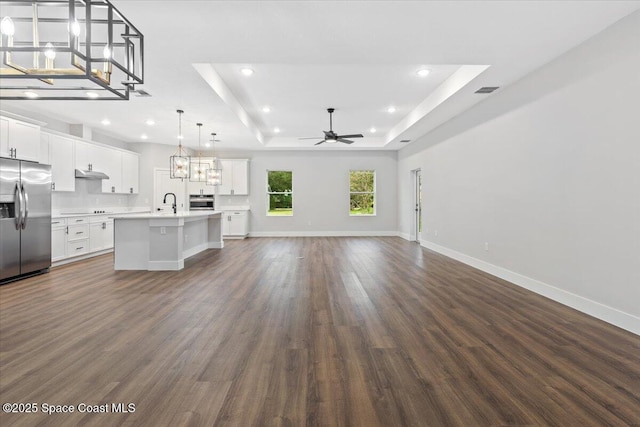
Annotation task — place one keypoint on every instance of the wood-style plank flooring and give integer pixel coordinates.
(309, 331)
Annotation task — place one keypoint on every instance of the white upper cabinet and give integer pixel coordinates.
(61, 159)
(130, 173)
(110, 162)
(19, 140)
(235, 177)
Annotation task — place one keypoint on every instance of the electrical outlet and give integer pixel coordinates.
(435, 232)
(309, 223)
(163, 230)
(186, 238)
(486, 246)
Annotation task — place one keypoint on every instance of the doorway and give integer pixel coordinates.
(417, 205)
(163, 184)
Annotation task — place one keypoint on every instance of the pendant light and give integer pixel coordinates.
(179, 162)
(214, 175)
(199, 168)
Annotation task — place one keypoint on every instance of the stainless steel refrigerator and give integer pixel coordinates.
(25, 218)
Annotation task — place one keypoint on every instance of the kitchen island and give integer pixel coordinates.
(162, 241)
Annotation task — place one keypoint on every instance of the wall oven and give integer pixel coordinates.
(200, 202)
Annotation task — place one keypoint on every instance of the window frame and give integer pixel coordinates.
(374, 192)
(269, 193)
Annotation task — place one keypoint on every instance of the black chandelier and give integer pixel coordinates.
(68, 49)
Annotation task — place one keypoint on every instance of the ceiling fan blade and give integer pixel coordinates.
(318, 143)
(346, 141)
(356, 135)
(309, 137)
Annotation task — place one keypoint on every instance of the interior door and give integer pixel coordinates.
(417, 205)
(163, 184)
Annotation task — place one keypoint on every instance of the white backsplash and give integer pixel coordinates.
(88, 196)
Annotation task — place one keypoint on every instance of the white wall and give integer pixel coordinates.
(321, 193)
(551, 180)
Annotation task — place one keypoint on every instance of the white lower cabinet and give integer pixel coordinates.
(235, 224)
(58, 239)
(100, 234)
(80, 236)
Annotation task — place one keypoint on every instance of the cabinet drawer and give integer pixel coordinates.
(58, 222)
(77, 247)
(101, 218)
(76, 220)
(78, 232)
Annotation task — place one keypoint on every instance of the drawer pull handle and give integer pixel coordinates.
(79, 232)
(81, 247)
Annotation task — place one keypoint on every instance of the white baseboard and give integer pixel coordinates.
(80, 257)
(405, 236)
(322, 233)
(600, 311)
(195, 250)
(165, 265)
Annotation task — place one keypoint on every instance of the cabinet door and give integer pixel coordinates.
(25, 138)
(58, 243)
(107, 235)
(240, 178)
(130, 173)
(109, 162)
(226, 224)
(63, 177)
(227, 177)
(4, 137)
(82, 158)
(96, 237)
(45, 157)
(237, 225)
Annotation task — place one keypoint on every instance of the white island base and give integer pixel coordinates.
(163, 241)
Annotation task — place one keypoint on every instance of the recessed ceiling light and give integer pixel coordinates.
(106, 122)
(180, 137)
(391, 109)
(31, 95)
(266, 109)
(150, 122)
(207, 144)
(372, 130)
(246, 71)
(276, 130)
(92, 95)
(144, 136)
(423, 72)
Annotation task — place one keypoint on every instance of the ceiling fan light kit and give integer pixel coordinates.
(68, 50)
(331, 136)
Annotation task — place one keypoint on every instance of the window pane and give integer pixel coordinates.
(361, 204)
(361, 181)
(279, 181)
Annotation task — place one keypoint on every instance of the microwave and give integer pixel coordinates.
(199, 202)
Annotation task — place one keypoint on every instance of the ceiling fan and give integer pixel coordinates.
(331, 136)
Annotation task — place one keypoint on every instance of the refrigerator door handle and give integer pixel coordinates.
(17, 197)
(25, 196)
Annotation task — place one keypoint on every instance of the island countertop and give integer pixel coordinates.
(167, 215)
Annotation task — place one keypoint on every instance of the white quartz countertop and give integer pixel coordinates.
(106, 212)
(156, 215)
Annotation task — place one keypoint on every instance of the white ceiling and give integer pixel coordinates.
(356, 56)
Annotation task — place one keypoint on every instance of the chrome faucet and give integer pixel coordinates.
(175, 201)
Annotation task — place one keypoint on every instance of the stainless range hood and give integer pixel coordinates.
(90, 174)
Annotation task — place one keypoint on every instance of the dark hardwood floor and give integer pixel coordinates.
(309, 331)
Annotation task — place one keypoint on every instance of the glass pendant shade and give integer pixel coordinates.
(214, 176)
(179, 162)
(179, 166)
(199, 167)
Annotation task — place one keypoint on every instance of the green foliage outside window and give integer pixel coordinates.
(280, 192)
(362, 187)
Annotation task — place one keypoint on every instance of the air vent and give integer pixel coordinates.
(487, 89)
(141, 93)
(405, 140)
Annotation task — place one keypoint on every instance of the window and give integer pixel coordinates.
(279, 193)
(362, 192)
